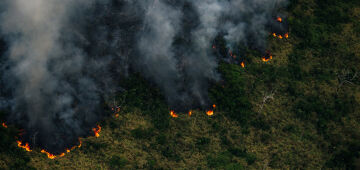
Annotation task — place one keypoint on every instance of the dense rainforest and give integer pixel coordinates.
(299, 110)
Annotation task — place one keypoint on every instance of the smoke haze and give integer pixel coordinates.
(62, 58)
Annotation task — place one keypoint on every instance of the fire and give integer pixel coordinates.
(266, 59)
(242, 64)
(26, 146)
(49, 155)
(286, 35)
(214, 106)
(210, 112)
(53, 156)
(190, 113)
(173, 114)
(96, 131)
(79, 143)
(279, 19)
(4, 125)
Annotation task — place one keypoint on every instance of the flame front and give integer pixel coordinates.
(279, 19)
(4, 125)
(173, 114)
(190, 113)
(26, 146)
(210, 112)
(286, 35)
(53, 156)
(96, 131)
(266, 59)
(49, 155)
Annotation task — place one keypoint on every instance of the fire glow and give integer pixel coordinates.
(173, 114)
(52, 156)
(211, 112)
(4, 125)
(279, 19)
(26, 146)
(242, 64)
(266, 59)
(286, 35)
(49, 155)
(97, 131)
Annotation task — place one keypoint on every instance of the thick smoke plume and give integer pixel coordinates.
(61, 59)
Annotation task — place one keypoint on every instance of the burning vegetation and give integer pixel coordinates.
(173, 114)
(25, 146)
(53, 156)
(4, 125)
(267, 57)
(97, 131)
(210, 112)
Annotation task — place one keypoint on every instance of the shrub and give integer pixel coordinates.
(117, 162)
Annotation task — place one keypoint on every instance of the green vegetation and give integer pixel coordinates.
(298, 111)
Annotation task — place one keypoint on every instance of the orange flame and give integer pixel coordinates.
(214, 106)
(279, 19)
(210, 112)
(96, 131)
(173, 114)
(49, 155)
(266, 59)
(26, 146)
(4, 125)
(286, 35)
(190, 112)
(242, 64)
(53, 156)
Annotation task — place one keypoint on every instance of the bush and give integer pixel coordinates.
(140, 133)
(231, 97)
(242, 153)
(220, 160)
(117, 162)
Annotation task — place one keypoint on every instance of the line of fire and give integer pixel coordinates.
(26, 146)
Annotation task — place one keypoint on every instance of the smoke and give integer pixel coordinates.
(63, 58)
(52, 94)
